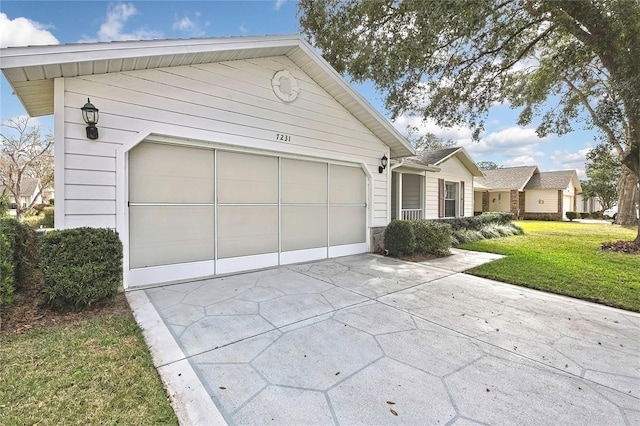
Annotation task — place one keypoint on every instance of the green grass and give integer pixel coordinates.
(93, 372)
(565, 258)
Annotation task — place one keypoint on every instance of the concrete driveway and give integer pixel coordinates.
(373, 340)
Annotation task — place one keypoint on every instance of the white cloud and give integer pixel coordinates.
(567, 160)
(458, 134)
(243, 29)
(183, 24)
(279, 4)
(112, 29)
(24, 32)
(191, 26)
(524, 160)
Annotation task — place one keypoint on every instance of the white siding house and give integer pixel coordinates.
(434, 185)
(213, 155)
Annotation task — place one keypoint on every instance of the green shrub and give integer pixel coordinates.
(584, 215)
(462, 236)
(48, 221)
(477, 222)
(33, 222)
(22, 248)
(571, 215)
(399, 238)
(7, 277)
(432, 237)
(81, 267)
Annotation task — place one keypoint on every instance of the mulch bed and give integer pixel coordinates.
(621, 247)
(26, 311)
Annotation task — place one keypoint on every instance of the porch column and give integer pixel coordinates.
(485, 201)
(399, 197)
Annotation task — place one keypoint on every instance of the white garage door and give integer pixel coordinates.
(214, 211)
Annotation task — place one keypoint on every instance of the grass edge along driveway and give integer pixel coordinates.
(565, 258)
(96, 371)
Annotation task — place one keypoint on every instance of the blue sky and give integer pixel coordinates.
(50, 22)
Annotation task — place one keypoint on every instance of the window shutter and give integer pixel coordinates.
(462, 198)
(440, 197)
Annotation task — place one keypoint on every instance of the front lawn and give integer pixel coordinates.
(565, 258)
(95, 371)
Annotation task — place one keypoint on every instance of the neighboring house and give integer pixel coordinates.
(433, 185)
(527, 193)
(29, 190)
(589, 205)
(213, 155)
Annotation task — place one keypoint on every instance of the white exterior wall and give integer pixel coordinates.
(541, 201)
(451, 170)
(221, 104)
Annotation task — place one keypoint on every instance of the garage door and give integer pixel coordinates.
(220, 211)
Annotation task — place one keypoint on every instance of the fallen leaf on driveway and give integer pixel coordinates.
(223, 388)
(390, 402)
(393, 412)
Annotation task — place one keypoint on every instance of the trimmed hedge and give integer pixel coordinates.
(476, 223)
(399, 238)
(432, 237)
(22, 248)
(81, 267)
(571, 215)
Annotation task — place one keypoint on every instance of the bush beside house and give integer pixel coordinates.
(17, 257)
(81, 267)
(403, 237)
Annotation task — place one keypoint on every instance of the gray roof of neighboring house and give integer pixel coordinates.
(507, 177)
(551, 180)
(27, 188)
(435, 158)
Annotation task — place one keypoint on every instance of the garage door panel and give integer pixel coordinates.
(346, 225)
(170, 234)
(303, 181)
(304, 227)
(170, 174)
(247, 230)
(246, 178)
(346, 185)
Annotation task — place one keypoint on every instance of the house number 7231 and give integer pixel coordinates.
(282, 137)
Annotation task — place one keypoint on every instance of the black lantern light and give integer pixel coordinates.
(90, 116)
(383, 161)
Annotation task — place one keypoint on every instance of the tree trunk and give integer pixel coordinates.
(628, 200)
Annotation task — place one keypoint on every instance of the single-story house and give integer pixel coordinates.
(435, 184)
(211, 156)
(589, 205)
(29, 191)
(527, 192)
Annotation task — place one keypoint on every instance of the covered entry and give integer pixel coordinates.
(197, 211)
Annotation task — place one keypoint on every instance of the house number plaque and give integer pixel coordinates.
(282, 137)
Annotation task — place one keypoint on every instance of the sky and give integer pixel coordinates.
(27, 22)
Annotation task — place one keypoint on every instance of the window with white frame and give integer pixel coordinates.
(450, 199)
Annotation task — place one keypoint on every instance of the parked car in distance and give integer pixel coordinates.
(611, 213)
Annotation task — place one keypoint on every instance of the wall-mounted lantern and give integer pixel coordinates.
(90, 116)
(383, 163)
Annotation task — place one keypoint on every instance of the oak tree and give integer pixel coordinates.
(564, 63)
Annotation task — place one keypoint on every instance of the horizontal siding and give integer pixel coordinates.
(451, 170)
(89, 192)
(94, 221)
(541, 201)
(226, 103)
